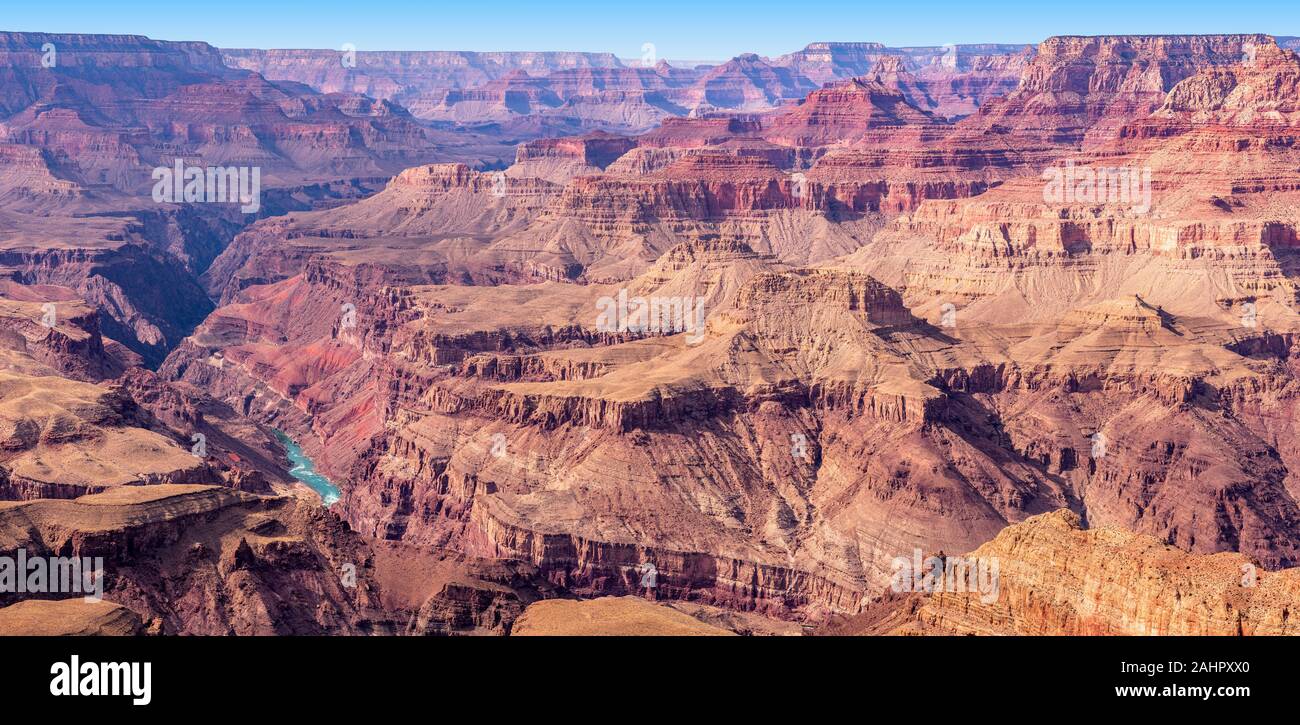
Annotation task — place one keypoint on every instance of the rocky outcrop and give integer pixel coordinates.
(560, 159)
(204, 560)
(62, 438)
(609, 616)
(846, 112)
(69, 617)
(177, 100)
(534, 93)
(146, 300)
(747, 83)
(1082, 90)
(1056, 578)
(416, 79)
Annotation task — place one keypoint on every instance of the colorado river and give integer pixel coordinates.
(304, 470)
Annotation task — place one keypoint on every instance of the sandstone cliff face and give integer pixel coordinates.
(950, 81)
(599, 227)
(201, 560)
(851, 152)
(1208, 221)
(48, 325)
(65, 431)
(824, 62)
(191, 559)
(147, 303)
(621, 617)
(80, 415)
(619, 99)
(149, 61)
(413, 78)
(558, 160)
(531, 93)
(183, 559)
(748, 83)
(780, 367)
(69, 617)
(982, 74)
(1058, 579)
(26, 176)
(805, 184)
(82, 137)
(846, 112)
(177, 100)
(1081, 90)
(524, 94)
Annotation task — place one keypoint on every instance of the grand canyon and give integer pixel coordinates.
(989, 339)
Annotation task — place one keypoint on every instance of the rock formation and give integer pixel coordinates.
(533, 93)
(69, 617)
(768, 325)
(620, 616)
(1058, 579)
(204, 560)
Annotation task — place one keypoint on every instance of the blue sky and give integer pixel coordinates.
(698, 29)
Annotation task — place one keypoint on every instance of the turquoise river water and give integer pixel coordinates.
(304, 470)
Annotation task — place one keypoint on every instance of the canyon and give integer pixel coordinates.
(530, 93)
(1035, 305)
